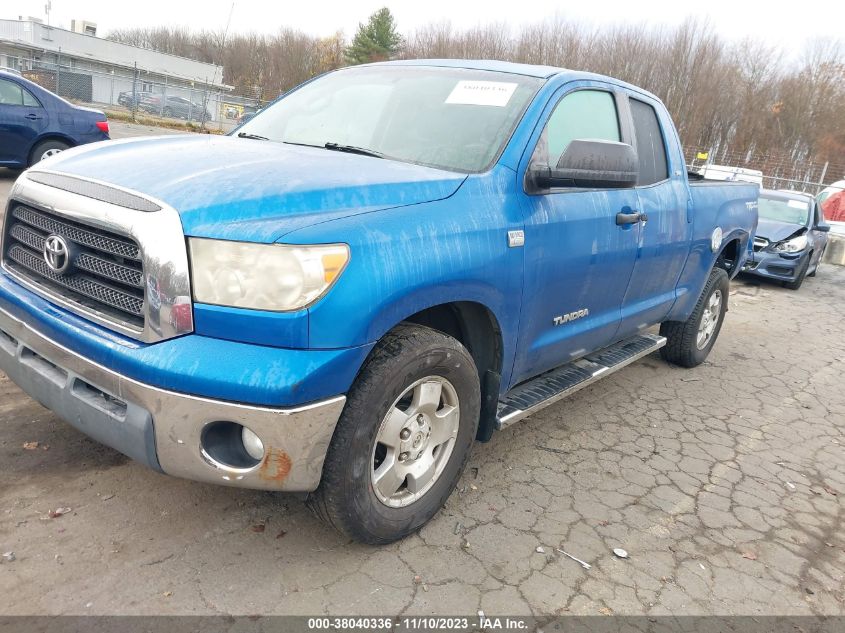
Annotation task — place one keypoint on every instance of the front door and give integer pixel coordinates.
(578, 260)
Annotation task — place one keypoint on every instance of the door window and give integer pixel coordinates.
(29, 100)
(13, 94)
(10, 93)
(651, 150)
(584, 114)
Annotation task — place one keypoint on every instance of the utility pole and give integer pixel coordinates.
(47, 8)
(134, 91)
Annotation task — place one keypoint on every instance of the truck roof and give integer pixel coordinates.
(528, 70)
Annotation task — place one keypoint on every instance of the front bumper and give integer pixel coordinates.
(162, 428)
(776, 266)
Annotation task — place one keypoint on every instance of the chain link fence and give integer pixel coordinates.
(134, 94)
(778, 171)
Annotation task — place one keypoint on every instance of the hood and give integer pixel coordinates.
(230, 188)
(775, 231)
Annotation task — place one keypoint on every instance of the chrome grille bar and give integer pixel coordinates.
(106, 243)
(115, 257)
(86, 286)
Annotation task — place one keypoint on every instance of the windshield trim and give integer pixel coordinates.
(507, 137)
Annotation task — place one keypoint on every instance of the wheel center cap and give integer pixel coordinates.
(416, 437)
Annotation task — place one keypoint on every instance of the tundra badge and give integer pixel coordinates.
(571, 316)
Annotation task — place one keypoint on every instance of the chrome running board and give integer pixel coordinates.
(554, 385)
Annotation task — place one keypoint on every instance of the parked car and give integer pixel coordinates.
(791, 238)
(36, 124)
(128, 99)
(391, 261)
(171, 106)
(832, 201)
(836, 187)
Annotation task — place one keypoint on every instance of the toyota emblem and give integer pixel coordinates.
(56, 254)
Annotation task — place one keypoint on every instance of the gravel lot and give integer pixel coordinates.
(726, 485)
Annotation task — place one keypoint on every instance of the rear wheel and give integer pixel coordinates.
(403, 439)
(45, 149)
(689, 342)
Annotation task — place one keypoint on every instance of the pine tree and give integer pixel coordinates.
(377, 40)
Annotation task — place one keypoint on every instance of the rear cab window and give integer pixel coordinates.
(650, 144)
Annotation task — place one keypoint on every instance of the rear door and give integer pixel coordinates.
(21, 121)
(577, 259)
(664, 237)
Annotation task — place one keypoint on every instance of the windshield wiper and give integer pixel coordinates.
(301, 144)
(254, 137)
(351, 149)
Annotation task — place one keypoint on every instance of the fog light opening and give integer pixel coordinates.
(231, 446)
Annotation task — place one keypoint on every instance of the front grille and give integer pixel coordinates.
(106, 274)
(760, 243)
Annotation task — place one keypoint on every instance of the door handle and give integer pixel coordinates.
(32, 117)
(628, 218)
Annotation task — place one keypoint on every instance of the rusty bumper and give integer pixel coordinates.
(164, 429)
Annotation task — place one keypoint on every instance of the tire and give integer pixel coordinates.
(347, 497)
(684, 346)
(799, 279)
(45, 149)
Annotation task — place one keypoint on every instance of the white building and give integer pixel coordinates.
(91, 69)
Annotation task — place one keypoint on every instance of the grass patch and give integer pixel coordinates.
(145, 119)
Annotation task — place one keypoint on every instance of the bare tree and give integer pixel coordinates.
(741, 101)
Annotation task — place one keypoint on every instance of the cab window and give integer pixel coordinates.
(583, 114)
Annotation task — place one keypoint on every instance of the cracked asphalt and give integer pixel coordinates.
(725, 484)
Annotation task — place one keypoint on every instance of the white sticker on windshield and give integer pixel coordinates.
(483, 93)
(797, 204)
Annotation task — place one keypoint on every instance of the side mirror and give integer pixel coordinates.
(590, 164)
(824, 228)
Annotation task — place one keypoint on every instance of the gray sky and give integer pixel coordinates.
(769, 21)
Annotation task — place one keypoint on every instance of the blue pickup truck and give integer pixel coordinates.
(386, 264)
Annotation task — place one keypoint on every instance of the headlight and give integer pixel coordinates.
(276, 277)
(794, 245)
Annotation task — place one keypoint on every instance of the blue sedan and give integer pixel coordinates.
(35, 123)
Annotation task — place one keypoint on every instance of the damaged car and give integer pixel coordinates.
(790, 240)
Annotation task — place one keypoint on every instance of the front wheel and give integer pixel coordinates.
(403, 439)
(689, 342)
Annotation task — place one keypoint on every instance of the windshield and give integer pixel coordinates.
(454, 119)
(784, 210)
